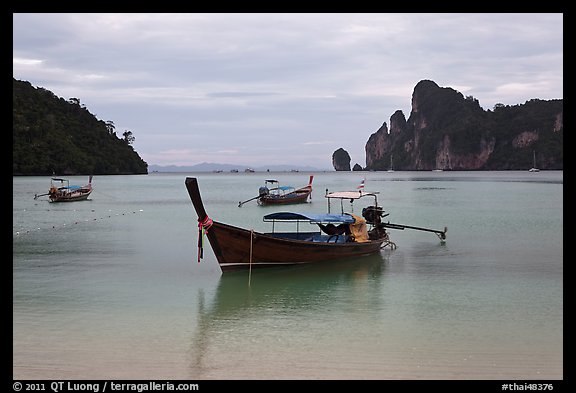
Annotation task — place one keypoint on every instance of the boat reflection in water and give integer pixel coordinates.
(252, 327)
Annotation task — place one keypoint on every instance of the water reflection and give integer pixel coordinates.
(272, 304)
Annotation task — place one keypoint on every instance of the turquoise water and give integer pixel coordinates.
(110, 288)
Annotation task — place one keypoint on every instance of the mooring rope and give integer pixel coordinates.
(389, 243)
(251, 242)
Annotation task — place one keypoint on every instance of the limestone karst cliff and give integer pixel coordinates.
(341, 160)
(448, 131)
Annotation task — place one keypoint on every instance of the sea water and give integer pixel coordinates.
(111, 287)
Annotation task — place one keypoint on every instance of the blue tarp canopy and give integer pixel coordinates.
(312, 217)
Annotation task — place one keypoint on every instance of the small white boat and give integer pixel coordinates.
(391, 169)
(534, 168)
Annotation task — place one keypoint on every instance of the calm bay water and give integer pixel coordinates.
(110, 288)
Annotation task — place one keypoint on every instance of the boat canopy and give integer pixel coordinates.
(350, 194)
(312, 217)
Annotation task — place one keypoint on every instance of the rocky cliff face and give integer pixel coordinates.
(378, 146)
(341, 160)
(448, 131)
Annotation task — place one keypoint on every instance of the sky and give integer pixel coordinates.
(260, 89)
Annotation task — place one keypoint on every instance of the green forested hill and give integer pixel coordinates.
(52, 136)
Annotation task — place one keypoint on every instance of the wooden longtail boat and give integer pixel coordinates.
(61, 191)
(237, 248)
(281, 195)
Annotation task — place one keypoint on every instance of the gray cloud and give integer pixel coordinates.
(237, 86)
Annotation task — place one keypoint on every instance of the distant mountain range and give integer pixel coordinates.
(211, 167)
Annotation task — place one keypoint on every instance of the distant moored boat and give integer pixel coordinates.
(391, 169)
(61, 191)
(534, 168)
(281, 195)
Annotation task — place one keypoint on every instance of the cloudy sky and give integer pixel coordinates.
(284, 88)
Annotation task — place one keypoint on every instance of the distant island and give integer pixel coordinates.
(52, 136)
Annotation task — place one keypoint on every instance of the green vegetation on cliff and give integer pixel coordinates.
(53, 136)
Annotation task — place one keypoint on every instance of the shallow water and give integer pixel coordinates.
(110, 288)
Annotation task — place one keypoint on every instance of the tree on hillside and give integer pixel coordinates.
(128, 137)
(110, 127)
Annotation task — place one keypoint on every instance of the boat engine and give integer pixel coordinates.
(263, 191)
(373, 214)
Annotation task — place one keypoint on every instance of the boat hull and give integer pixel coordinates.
(71, 197)
(238, 248)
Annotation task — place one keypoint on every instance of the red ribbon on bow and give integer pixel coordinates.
(203, 226)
